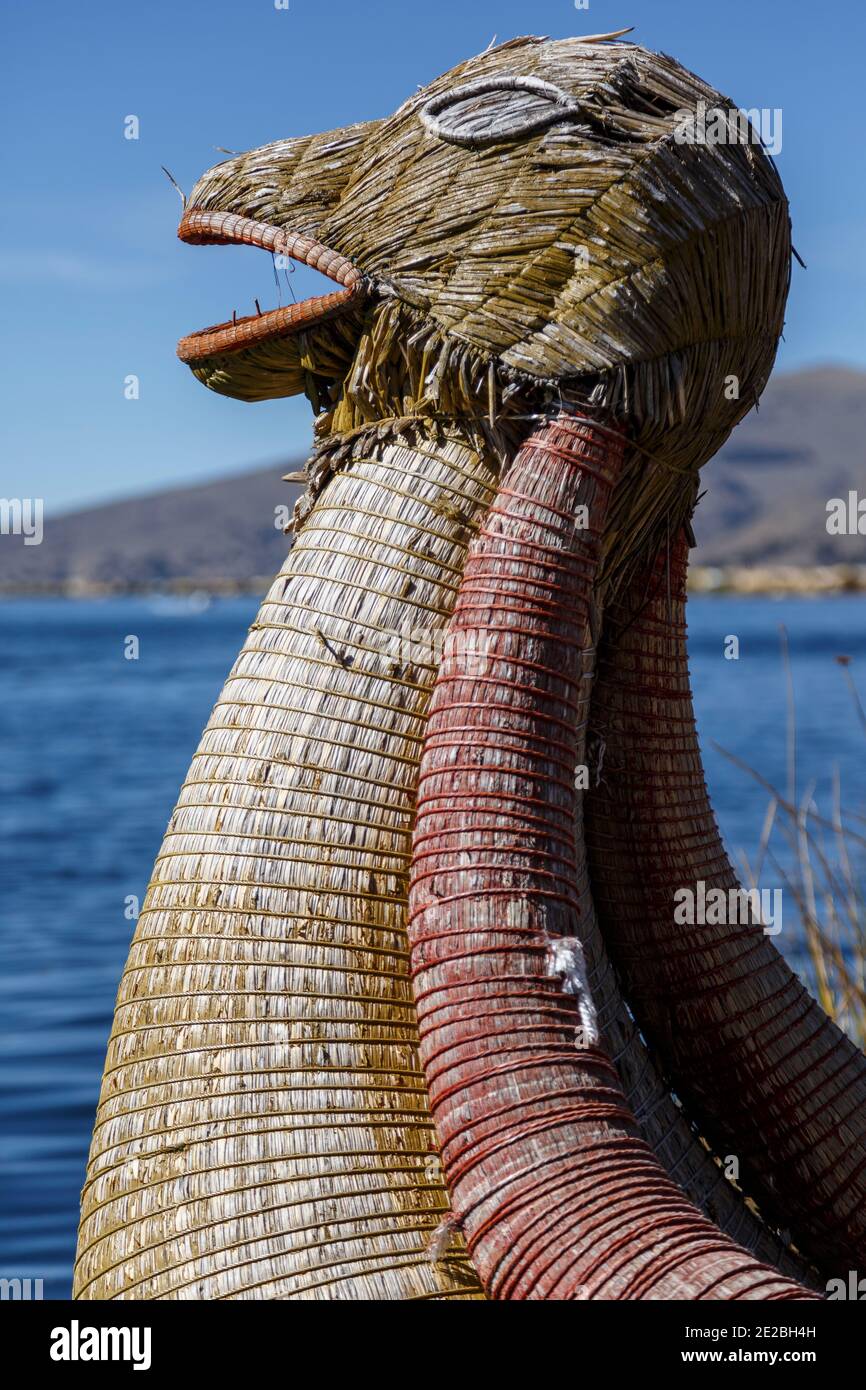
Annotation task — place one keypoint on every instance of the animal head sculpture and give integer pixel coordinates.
(536, 224)
(371, 941)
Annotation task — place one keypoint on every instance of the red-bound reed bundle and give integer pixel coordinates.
(555, 1191)
(768, 1076)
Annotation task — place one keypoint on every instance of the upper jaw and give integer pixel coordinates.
(199, 227)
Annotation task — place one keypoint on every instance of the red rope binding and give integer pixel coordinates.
(760, 1066)
(556, 1193)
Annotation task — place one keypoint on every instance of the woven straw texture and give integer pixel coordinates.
(557, 1195)
(602, 257)
(761, 1067)
(667, 1128)
(263, 1128)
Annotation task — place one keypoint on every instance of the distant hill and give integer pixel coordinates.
(220, 535)
(767, 489)
(765, 504)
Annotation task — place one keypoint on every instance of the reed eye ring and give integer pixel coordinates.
(480, 126)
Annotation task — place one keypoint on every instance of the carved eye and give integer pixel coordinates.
(493, 109)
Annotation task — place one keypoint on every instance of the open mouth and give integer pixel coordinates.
(226, 228)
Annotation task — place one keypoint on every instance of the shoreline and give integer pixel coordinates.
(806, 581)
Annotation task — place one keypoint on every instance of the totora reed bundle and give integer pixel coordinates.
(549, 311)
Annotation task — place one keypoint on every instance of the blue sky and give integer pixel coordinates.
(95, 285)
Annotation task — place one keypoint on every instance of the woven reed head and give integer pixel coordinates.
(545, 217)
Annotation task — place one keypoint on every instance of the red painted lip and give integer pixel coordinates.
(226, 228)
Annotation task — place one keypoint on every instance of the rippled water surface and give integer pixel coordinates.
(94, 748)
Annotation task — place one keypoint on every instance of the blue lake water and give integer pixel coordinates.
(94, 748)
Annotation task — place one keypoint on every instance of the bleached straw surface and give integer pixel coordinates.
(263, 1129)
(602, 258)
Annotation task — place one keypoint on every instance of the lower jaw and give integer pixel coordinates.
(262, 329)
(298, 363)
